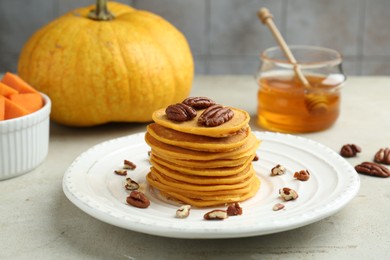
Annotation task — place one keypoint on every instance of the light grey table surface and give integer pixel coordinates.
(37, 221)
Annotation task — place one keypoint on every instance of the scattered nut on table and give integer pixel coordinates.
(350, 150)
(234, 209)
(216, 214)
(373, 169)
(183, 211)
(278, 170)
(383, 156)
(302, 175)
(288, 194)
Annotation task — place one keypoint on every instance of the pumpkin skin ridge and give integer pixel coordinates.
(162, 50)
(126, 69)
(112, 7)
(104, 118)
(42, 38)
(169, 66)
(167, 57)
(83, 119)
(81, 110)
(129, 82)
(156, 47)
(117, 118)
(64, 27)
(127, 96)
(158, 19)
(149, 15)
(55, 41)
(41, 33)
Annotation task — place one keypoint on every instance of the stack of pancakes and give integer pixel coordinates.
(202, 166)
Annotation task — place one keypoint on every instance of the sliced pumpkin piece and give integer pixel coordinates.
(6, 91)
(17, 83)
(29, 101)
(13, 110)
(2, 108)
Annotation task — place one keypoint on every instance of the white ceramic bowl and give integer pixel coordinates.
(24, 141)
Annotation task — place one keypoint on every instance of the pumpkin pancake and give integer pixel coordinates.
(175, 152)
(157, 181)
(197, 201)
(213, 172)
(203, 180)
(198, 142)
(239, 120)
(213, 189)
(202, 164)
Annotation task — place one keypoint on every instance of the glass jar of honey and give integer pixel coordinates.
(293, 103)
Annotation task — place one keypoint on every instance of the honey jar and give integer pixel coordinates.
(288, 104)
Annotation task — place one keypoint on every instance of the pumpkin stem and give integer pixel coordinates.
(101, 12)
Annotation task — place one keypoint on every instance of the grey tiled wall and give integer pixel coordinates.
(225, 35)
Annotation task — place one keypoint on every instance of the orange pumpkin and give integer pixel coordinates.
(111, 64)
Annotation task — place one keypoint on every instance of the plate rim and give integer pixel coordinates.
(175, 232)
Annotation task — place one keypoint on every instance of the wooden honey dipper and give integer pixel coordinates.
(315, 103)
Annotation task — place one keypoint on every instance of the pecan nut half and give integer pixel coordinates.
(373, 169)
(350, 150)
(183, 211)
(234, 209)
(383, 156)
(288, 194)
(278, 170)
(131, 184)
(216, 214)
(129, 165)
(302, 175)
(198, 102)
(138, 199)
(180, 112)
(215, 115)
(121, 172)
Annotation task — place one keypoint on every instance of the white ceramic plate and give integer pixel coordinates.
(92, 186)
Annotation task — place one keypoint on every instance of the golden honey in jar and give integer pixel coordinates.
(286, 102)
